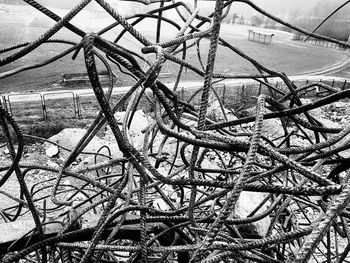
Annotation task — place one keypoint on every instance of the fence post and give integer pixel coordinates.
(5, 102)
(76, 99)
(44, 108)
(78, 106)
(223, 93)
(242, 91)
(9, 105)
(75, 106)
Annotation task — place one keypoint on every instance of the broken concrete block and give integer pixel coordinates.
(247, 202)
(70, 137)
(52, 151)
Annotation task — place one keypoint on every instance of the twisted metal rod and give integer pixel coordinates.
(165, 202)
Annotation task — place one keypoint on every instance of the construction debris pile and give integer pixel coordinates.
(183, 181)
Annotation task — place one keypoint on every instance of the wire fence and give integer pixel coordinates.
(318, 42)
(201, 181)
(82, 105)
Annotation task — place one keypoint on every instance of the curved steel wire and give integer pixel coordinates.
(175, 195)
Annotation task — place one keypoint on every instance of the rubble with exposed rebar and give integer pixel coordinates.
(185, 181)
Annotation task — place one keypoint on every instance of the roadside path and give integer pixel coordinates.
(335, 68)
(69, 93)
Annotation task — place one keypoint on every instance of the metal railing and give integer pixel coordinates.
(83, 105)
(174, 187)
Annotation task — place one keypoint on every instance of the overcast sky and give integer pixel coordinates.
(284, 6)
(273, 5)
(280, 8)
(277, 7)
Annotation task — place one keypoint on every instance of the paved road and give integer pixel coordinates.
(69, 93)
(343, 71)
(339, 69)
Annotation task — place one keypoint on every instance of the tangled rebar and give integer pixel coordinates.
(178, 195)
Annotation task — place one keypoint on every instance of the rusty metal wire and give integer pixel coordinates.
(161, 201)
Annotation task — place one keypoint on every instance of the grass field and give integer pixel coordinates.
(24, 25)
(27, 24)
